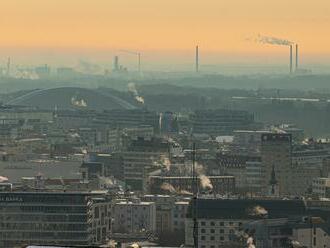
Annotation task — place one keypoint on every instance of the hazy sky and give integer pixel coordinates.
(220, 26)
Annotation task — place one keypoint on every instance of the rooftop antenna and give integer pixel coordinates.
(194, 187)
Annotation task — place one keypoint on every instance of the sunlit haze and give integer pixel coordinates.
(162, 29)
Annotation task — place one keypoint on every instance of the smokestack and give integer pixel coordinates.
(8, 66)
(197, 59)
(115, 63)
(139, 63)
(297, 57)
(291, 58)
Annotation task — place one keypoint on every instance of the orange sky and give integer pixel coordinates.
(217, 25)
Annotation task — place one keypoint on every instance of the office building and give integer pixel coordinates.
(54, 218)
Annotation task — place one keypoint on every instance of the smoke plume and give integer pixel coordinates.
(106, 181)
(205, 182)
(185, 192)
(258, 211)
(134, 245)
(273, 40)
(250, 243)
(166, 162)
(133, 90)
(78, 102)
(168, 187)
(3, 179)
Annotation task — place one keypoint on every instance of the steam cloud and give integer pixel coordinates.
(133, 90)
(134, 245)
(78, 103)
(258, 211)
(250, 242)
(205, 182)
(3, 179)
(273, 41)
(166, 162)
(168, 187)
(106, 181)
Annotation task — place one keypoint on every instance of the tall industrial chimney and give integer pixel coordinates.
(297, 57)
(115, 64)
(197, 59)
(291, 57)
(8, 66)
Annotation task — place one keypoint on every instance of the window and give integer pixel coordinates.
(222, 238)
(203, 230)
(212, 231)
(212, 223)
(202, 237)
(203, 223)
(221, 224)
(212, 238)
(222, 231)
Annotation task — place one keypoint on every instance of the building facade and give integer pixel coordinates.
(54, 218)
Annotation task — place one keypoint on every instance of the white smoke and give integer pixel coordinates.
(166, 162)
(160, 121)
(106, 181)
(168, 187)
(273, 40)
(185, 192)
(78, 102)
(133, 90)
(3, 179)
(250, 242)
(205, 182)
(258, 211)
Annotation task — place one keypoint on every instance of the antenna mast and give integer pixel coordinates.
(194, 187)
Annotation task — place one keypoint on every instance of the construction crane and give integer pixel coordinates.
(138, 54)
